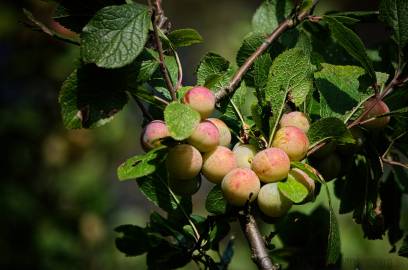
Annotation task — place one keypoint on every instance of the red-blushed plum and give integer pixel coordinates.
(293, 141)
(200, 99)
(184, 162)
(329, 167)
(217, 163)
(205, 137)
(295, 119)
(271, 165)
(240, 185)
(379, 108)
(225, 133)
(153, 133)
(184, 187)
(272, 202)
(244, 154)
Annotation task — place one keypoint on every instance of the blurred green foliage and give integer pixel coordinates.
(59, 195)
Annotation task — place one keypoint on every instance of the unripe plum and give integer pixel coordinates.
(217, 163)
(184, 162)
(225, 133)
(240, 185)
(293, 141)
(200, 99)
(379, 108)
(295, 119)
(244, 154)
(205, 137)
(329, 167)
(272, 202)
(303, 178)
(184, 187)
(271, 165)
(153, 133)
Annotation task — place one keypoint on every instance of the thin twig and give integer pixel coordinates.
(157, 14)
(145, 112)
(288, 23)
(180, 71)
(165, 102)
(395, 163)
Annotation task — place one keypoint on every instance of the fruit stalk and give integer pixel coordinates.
(256, 242)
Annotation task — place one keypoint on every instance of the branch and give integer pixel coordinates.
(145, 112)
(288, 23)
(156, 20)
(256, 242)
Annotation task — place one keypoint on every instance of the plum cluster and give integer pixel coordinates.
(244, 173)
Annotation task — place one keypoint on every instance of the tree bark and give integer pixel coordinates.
(259, 253)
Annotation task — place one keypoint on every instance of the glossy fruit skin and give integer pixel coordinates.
(295, 119)
(240, 185)
(184, 162)
(200, 99)
(329, 167)
(379, 108)
(304, 178)
(271, 165)
(293, 141)
(184, 187)
(205, 137)
(244, 154)
(272, 202)
(218, 163)
(223, 129)
(153, 133)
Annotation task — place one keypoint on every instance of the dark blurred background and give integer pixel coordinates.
(59, 196)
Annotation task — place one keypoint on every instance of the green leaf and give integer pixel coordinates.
(289, 77)
(293, 190)
(351, 43)
(184, 37)
(157, 81)
(251, 42)
(306, 169)
(403, 251)
(239, 101)
(212, 66)
(395, 14)
(115, 36)
(156, 190)
(181, 120)
(134, 241)
(329, 128)
(91, 96)
(215, 202)
(141, 165)
(333, 241)
(269, 14)
(339, 90)
(261, 70)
